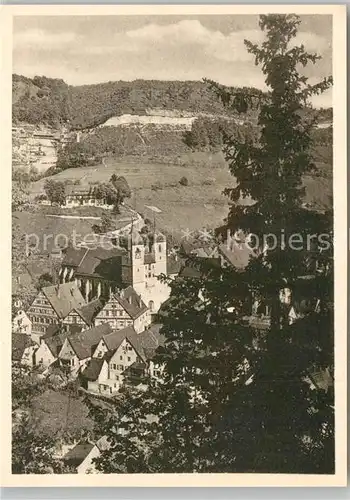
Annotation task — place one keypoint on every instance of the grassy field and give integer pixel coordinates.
(198, 205)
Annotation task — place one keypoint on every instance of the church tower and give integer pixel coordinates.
(137, 258)
(160, 254)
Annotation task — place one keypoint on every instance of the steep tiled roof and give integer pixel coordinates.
(102, 263)
(93, 369)
(78, 454)
(146, 342)
(20, 342)
(89, 311)
(114, 339)
(98, 262)
(83, 343)
(131, 302)
(64, 298)
(52, 330)
(55, 343)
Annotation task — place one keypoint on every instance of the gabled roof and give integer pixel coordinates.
(146, 342)
(83, 342)
(114, 339)
(78, 454)
(20, 342)
(93, 369)
(63, 298)
(55, 343)
(131, 302)
(89, 311)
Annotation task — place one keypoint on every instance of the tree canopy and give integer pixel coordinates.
(235, 397)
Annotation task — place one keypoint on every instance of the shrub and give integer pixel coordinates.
(157, 186)
(183, 181)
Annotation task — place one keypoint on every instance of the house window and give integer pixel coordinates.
(72, 361)
(129, 348)
(120, 367)
(114, 366)
(151, 305)
(129, 359)
(121, 358)
(159, 248)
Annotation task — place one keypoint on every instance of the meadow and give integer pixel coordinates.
(198, 205)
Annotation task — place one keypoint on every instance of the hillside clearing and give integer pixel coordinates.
(198, 205)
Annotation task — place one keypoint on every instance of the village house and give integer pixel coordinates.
(123, 309)
(21, 323)
(78, 349)
(85, 315)
(83, 196)
(122, 357)
(52, 305)
(23, 349)
(81, 456)
(49, 349)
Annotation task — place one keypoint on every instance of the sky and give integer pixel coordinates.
(93, 49)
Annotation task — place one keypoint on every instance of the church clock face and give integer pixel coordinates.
(137, 254)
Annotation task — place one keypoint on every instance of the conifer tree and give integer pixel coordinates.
(233, 398)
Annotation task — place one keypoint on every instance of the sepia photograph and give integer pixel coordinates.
(173, 296)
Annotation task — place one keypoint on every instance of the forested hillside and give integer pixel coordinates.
(52, 102)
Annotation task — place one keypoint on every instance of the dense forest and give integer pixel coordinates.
(52, 102)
